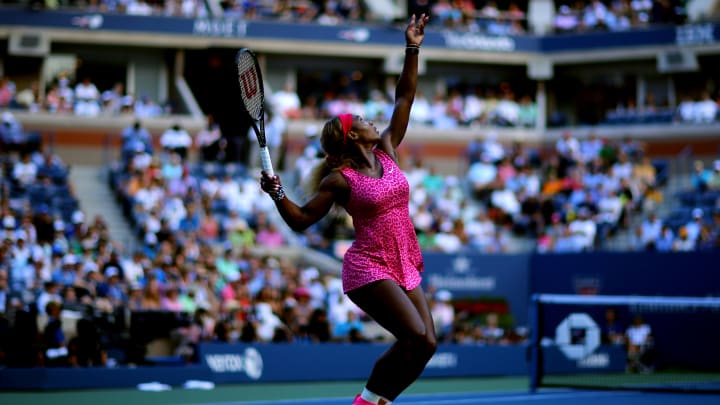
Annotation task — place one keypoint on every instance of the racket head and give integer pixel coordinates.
(252, 90)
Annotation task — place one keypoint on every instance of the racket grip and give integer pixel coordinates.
(265, 161)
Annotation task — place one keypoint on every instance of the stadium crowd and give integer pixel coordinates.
(571, 198)
(199, 220)
(454, 108)
(459, 106)
(599, 15)
(701, 107)
(693, 224)
(492, 17)
(81, 97)
(70, 295)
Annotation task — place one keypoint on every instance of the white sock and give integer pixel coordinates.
(370, 396)
(373, 397)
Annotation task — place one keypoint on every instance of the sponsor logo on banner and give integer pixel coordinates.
(478, 42)
(460, 278)
(578, 337)
(220, 27)
(695, 34)
(587, 285)
(355, 35)
(443, 360)
(89, 21)
(250, 362)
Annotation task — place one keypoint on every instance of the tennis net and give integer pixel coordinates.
(625, 342)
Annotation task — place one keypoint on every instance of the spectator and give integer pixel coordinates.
(172, 169)
(714, 181)
(12, 136)
(285, 102)
(493, 149)
(612, 331)
(7, 92)
(445, 14)
(210, 142)
(328, 15)
(138, 7)
(443, 314)
(209, 227)
(527, 112)
(112, 100)
(706, 109)
(25, 171)
(585, 229)
(421, 111)
(639, 341)
(267, 320)
(85, 349)
(568, 150)
(682, 242)
(446, 240)
(666, 241)
(176, 139)
(700, 177)
(564, 241)
(311, 156)
(238, 232)
(706, 239)
(652, 230)
(377, 106)
(53, 336)
(135, 138)
(693, 227)
(491, 331)
(590, 148)
(482, 176)
(87, 99)
(171, 300)
(566, 20)
(350, 328)
(318, 327)
(4, 306)
(269, 235)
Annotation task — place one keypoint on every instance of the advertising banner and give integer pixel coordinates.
(642, 273)
(371, 34)
(339, 361)
(478, 276)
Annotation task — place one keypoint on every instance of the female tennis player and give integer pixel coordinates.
(381, 270)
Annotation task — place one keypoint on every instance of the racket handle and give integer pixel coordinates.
(265, 160)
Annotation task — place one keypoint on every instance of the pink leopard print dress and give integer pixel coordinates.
(385, 246)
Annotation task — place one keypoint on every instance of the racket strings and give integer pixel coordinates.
(250, 86)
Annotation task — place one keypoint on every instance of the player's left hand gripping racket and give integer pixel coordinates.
(252, 93)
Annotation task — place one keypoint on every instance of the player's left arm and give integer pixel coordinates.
(406, 86)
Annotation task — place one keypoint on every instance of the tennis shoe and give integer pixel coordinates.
(360, 401)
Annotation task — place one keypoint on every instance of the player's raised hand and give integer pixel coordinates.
(415, 31)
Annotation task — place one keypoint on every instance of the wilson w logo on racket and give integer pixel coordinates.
(249, 83)
(252, 94)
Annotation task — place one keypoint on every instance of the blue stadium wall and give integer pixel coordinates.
(509, 278)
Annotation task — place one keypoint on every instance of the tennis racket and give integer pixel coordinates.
(252, 94)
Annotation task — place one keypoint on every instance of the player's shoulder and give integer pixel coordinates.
(334, 180)
(336, 184)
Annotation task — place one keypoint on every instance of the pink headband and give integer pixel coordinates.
(346, 121)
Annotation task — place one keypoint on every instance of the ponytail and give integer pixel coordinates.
(321, 170)
(311, 185)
